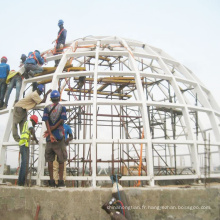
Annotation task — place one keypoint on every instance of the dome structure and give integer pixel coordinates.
(134, 110)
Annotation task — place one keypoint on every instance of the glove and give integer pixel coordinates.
(61, 46)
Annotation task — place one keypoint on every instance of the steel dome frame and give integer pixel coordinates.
(182, 98)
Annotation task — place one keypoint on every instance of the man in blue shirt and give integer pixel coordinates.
(68, 132)
(68, 138)
(54, 116)
(4, 71)
(60, 41)
(33, 64)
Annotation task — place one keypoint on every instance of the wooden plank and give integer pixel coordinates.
(98, 92)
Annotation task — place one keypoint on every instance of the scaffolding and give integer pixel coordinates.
(114, 90)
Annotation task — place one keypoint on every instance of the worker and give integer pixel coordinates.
(4, 71)
(33, 64)
(27, 132)
(60, 41)
(23, 59)
(54, 116)
(67, 132)
(13, 80)
(22, 106)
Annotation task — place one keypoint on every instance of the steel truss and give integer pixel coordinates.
(115, 90)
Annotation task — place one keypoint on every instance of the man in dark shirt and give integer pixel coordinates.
(60, 41)
(54, 116)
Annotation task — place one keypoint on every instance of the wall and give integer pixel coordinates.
(159, 203)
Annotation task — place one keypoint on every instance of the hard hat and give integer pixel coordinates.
(34, 118)
(37, 51)
(4, 58)
(60, 22)
(23, 56)
(54, 94)
(40, 87)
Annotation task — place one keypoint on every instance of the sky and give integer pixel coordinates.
(188, 30)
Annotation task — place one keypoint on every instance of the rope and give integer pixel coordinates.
(119, 196)
(140, 163)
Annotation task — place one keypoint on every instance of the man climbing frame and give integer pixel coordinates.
(23, 106)
(54, 116)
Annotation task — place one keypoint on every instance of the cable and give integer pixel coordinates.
(122, 205)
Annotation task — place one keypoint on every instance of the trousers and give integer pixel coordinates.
(24, 165)
(19, 117)
(15, 82)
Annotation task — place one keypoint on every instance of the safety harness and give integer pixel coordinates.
(34, 57)
(59, 35)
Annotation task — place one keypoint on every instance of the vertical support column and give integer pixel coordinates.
(185, 110)
(7, 134)
(54, 85)
(41, 158)
(93, 150)
(5, 139)
(141, 97)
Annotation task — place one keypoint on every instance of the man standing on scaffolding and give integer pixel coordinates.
(60, 41)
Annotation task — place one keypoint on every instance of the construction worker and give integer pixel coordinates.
(23, 59)
(22, 106)
(54, 116)
(27, 132)
(4, 71)
(60, 41)
(13, 80)
(68, 132)
(33, 64)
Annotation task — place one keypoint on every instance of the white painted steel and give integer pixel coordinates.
(157, 65)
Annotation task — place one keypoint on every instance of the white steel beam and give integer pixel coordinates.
(141, 97)
(94, 129)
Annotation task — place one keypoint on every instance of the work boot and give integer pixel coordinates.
(25, 75)
(51, 183)
(20, 184)
(61, 184)
(31, 73)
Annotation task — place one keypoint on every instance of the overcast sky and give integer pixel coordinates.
(188, 30)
